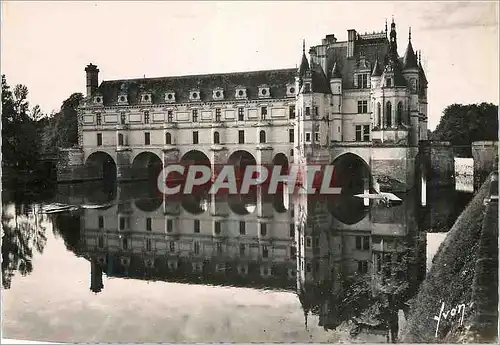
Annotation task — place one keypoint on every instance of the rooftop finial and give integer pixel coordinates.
(393, 19)
(386, 26)
(420, 56)
(409, 34)
(304, 46)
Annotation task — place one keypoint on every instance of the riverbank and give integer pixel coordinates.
(452, 291)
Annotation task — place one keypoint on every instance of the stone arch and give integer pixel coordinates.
(388, 114)
(195, 157)
(280, 159)
(399, 114)
(196, 203)
(262, 137)
(146, 166)
(168, 138)
(243, 205)
(350, 170)
(379, 115)
(101, 165)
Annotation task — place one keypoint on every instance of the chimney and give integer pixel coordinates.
(92, 78)
(351, 38)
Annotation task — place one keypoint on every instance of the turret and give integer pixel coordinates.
(376, 74)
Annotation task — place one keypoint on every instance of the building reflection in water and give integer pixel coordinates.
(348, 263)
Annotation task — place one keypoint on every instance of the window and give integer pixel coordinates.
(366, 133)
(242, 228)
(292, 230)
(241, 114)
(148, 224)
(308, 242)
(197, 248)
(388, 82)
(399, 114)
(362, 267)
(216, 138)
(293, 252)
(388, 115)
(379, 115)
(308, 137)
(362, 81)
(171, 246)
(308, 267)
(101, 242)
(123, 118)
(147, 139)
(120, 139)
(263, 113)
(170, 116)
(363, 242)
(98, 119)
(262, 137)
(316, 242)
(217, 114)
(358, 133)
(125, 243)
(196, 226)
(291, 152)
(291, 112)
(291, 135)
(362, 107)
(265, 252)
(219, 247)
(122, 223)
(217, 228)
(263, 229)
(101, 222)
(170, 225)
(195, 115)
(242, 249)
(308, 111)
(99, 139)
(316, 137)
(195, 137)
(168, 138)
(241, 137)
(316, 111)
(146, 116)
(148, 244)
(307, 88)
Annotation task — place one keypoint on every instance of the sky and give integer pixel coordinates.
(46, 45)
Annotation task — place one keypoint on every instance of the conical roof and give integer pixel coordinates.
(377, 71)
(409, 60)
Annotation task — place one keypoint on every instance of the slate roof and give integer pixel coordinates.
(409, 60)
(370, 49)
(276, 80)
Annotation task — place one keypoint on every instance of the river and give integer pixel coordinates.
(126, 264)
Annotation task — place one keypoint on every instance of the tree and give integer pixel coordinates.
(463, 124)
(19, 132)
(61, 130)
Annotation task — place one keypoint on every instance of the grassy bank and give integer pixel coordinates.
(450, 280)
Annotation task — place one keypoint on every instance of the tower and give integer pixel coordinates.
(411, 75)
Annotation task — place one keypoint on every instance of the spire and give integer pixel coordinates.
(421, 72)
(410, 60)
(393, 49)
(304, 64)
(335, 72)
(377, 71)
(385, 27)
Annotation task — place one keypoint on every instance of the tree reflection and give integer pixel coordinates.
(22, 233)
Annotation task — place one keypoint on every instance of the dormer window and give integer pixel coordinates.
(218, 94)
(170, 97)
(241, 93)
(98, 99)
(122, 99)
(307, 88)
(388, 82)
(146, 98)
(264, 91)
(362, 81)
(194, 95)
(290, 90)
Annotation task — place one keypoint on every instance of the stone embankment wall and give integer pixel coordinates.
(71, 168)
(464, 275)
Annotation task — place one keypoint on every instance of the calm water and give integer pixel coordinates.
(236, 269)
